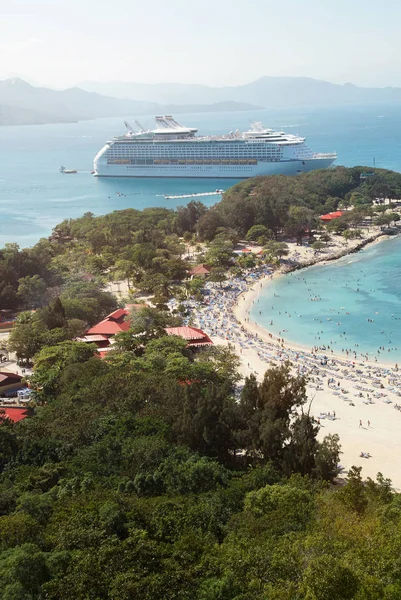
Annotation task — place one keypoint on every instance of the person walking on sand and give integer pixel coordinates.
(368, 423)
(360, 423)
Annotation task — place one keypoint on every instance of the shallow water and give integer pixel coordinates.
(353, 303)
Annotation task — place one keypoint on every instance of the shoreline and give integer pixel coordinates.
(242, 310)
(351, 398)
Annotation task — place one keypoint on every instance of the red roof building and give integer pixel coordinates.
(330, 216)
(196, 338)
(201, 271)
(14, 413)
(114, 323)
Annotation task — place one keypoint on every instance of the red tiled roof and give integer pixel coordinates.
(188, 333)
(112, 324)
(332, 215)
(200, 270)
(93, 338)
(14, 413)
(195, 337)
(118, 314)
(108, 328)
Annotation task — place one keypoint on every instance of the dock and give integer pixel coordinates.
(198, 195)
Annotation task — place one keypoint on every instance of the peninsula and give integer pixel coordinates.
(153, 438)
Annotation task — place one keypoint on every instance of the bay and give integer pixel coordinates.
(350, 304)
(34, 196)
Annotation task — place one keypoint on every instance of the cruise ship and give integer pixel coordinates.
(172, 150)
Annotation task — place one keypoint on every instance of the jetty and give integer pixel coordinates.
(215, 193)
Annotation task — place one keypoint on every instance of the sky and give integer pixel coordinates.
(214, 42)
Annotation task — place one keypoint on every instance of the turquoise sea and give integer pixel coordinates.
(353, 303)
(34, 196)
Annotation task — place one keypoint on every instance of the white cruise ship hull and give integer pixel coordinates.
(289, 167)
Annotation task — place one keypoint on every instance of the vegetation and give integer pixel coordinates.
(151, 474)
(128, 482)
(146, 248)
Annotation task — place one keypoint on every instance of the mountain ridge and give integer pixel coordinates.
(22, 103)
(270, 92)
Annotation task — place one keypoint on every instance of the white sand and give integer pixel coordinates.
(228, 322)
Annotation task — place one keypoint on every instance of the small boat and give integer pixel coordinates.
(67, 171)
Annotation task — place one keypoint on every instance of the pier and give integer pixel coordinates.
(200, 194)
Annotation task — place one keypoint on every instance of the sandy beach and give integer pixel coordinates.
(357, 400)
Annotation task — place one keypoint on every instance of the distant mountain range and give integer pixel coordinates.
(266, 91)
(22, 103)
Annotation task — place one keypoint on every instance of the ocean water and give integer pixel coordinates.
(34, 196)
(353, 303)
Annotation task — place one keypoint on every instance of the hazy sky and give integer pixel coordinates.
(216, 42)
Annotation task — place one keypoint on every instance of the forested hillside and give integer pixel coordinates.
(157, 472)
(128, 483)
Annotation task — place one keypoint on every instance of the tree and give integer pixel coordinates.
(218, 275)
(300, 222)
(347, 235)
(8, 296)
(358, 199)
(95, 302)
(247, 260)
(317, 246)
(225, 361)
(384, 220)
(354, 494)
(189, 215)
(128, 270)
(283, 507)
(276, 249)
(23, 572)
(27, 336)
(220, 253)
(258, 231)
(8, 441)
(53, 315)
(337, 225)
(52, 360)
(325, 237)
(152, 322)
(209, 223)
(32, 290)
(327, 458)
(328, 579)
(167, 345)
(194, 288)
(267, 410)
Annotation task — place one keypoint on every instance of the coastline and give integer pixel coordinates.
(243, 307)
(352, 398)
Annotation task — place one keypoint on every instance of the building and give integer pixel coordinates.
(9, 382)
(201, 271)
(14, 413)
(103, 332)
(196, 338)
(114, 323)
(330, 216)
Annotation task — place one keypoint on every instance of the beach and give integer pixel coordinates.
(355, 399)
